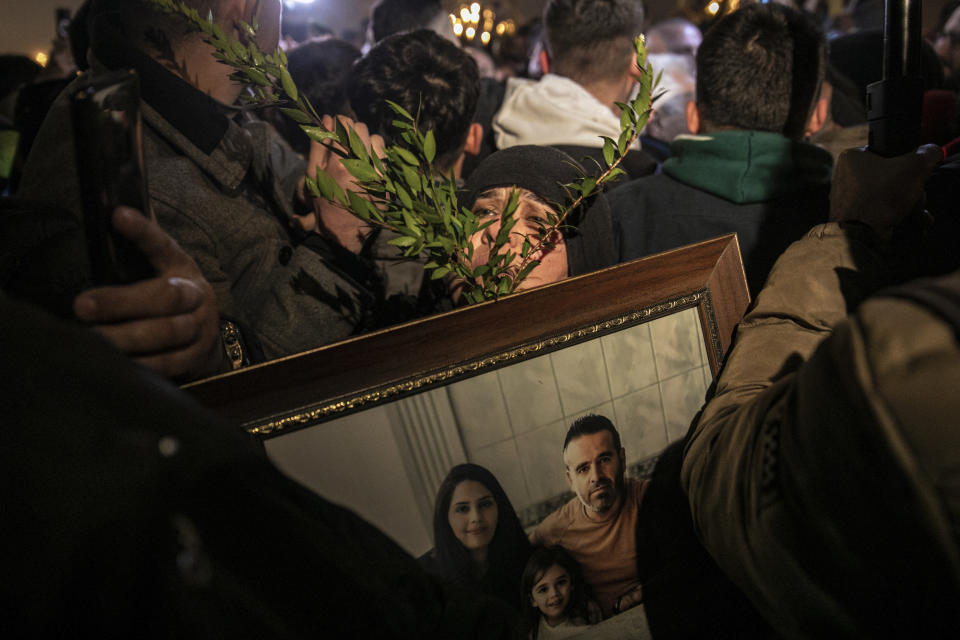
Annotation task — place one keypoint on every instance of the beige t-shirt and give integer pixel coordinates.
(605, 548)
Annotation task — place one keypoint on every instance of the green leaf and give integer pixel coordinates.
(404, 197)
(358, 205)
(623, 141)
(399, 110)
(356, 145)
(319, 134)
(296, 115)
(608, 150)
(624, 119)
(615, 174)
(407, 157)
(257, 76)
(439, 273)
(241, 52)
(429, 146)
(504, 287)
(410, 223)
(640, 46)
(403, 241)
(329, 188)
(588, 185)
(412, 178)
(359, 169)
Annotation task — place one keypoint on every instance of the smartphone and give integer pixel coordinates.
(108, 141)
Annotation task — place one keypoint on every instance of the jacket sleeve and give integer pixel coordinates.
(795, 468)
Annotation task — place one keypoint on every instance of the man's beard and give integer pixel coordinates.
(613, 491)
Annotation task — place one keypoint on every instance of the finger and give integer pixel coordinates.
(152, 335)
(160, 249)
(156, 297)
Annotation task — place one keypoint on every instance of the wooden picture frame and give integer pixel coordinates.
(305, 389)
(375, 422)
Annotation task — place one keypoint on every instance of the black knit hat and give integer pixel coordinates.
(587, 232)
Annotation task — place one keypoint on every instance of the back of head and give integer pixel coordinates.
(590, 40)
(674, 35)
(427, 75)
(591, 424)
(388, 17)
(760, 69)
(320, 68)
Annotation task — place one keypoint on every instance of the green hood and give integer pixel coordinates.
(747, 166)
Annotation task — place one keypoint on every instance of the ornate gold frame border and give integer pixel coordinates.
(308, 416)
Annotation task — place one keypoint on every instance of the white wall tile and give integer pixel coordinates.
(541, 452)
(480, 410)
(639, 419)
(581, 377)
(682, 397)
(530, 390)
(676, 343)
(629, 360)
(503, 461)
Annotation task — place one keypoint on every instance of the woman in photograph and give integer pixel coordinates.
(478, 540)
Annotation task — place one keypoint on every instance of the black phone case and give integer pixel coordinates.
(107, 133)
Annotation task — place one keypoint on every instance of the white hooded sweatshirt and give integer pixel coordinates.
(552, 111)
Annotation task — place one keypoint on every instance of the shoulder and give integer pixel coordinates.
(552, 528)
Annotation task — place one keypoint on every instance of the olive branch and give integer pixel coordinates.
(402, 190)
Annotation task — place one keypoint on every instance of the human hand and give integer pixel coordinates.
(630, 599)
(327, 215)
(169, 323)
(878, 191)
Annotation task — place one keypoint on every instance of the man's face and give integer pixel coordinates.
(531, 214)
(595, 470)
(947, 45)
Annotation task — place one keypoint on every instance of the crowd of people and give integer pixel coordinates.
(814, 495)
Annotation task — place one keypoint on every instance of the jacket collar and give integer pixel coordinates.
(747, 166)
(197, 116)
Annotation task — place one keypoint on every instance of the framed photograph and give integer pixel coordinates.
(375, 422)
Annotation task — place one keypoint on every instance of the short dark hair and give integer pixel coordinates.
(320, 69)
(590, 424)
(760, 68)
(388, 17)
(588, 39)
(424, 73)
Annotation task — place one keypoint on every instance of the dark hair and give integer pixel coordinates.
(590, 424)
(508, 549)
(591, 39)
(388, 17)
(759, 68)
(581, 595)
(320, 69)
(426, 74)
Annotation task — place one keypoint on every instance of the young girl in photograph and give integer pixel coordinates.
(557, 600)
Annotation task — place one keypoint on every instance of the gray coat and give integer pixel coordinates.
(224, 191)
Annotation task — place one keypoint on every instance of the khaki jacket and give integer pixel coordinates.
(819, 475)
